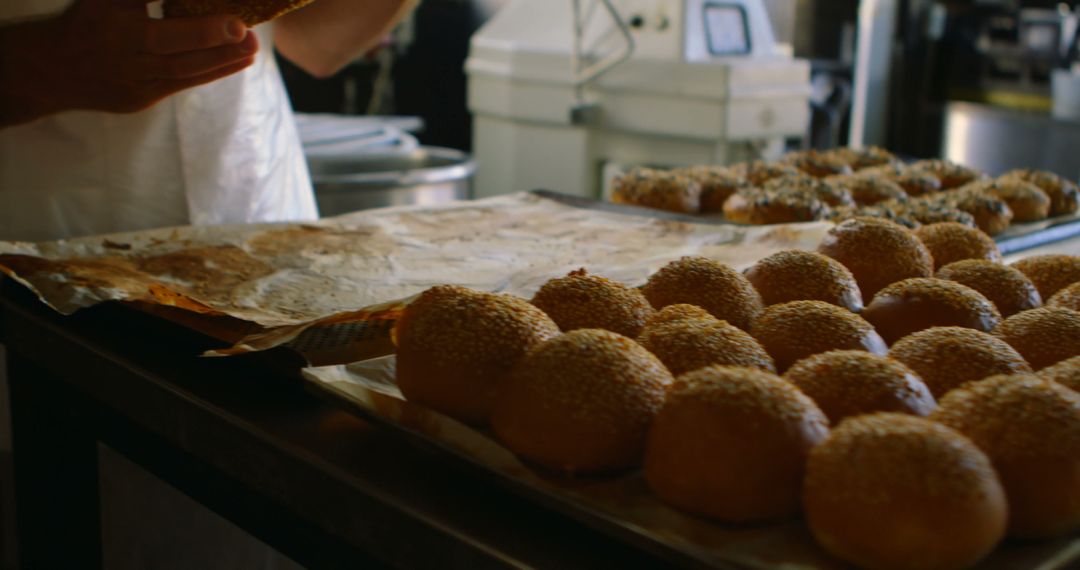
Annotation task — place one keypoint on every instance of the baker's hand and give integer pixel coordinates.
(108, 55)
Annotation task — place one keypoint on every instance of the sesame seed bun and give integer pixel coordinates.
(1030, 429)
(1064, 194)
(251, 12)
(795, 275)
(952, 241)
(759, 172)
(677, 312)
(793, 331)
(717, 184)
(706, 283)
(1027, 201)
(895, 491)
(877, 252)
(1008, 289)
(950, 174)
(730, 443)
(584, 301)
(581, 402)
(946, 357)
(659, 189)
(851, 383)
(456, 346)
(912, 305)
(868, 190)
(1067, 297)
(688, 344)
(1044, 336)
(1050, 273)
(1066, 373)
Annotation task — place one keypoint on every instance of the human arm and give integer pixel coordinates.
(326, 35)
(108, 55)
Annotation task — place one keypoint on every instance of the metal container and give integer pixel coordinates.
(427, 175)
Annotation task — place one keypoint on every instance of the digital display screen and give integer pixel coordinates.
(726, 29)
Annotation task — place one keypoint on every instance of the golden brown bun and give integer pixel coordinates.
(950, 174)
(1027, 201)
(795, 275)
(830, 193)
(912, 305)
(1044, 336)
(759, 172)
(659, 189)
(691, 343)
(581, 402)
(899, 492)
(584, 301)
(1008, 289)
(951, 241)
(867, 157)
(1067, 297)
(1030, 429)
(946, 357)
(455, 348)
(868, 190)
(851, 383)
(757, 207)
(717, 183)
(708, 284)
(991, 214)
(927, 213)
(677, 312)
(1050, 273)
(817, 164)
(913, 182)
(877, 252)
(250, 11)
(793, 331)
(1064, 194)
(1066, 373)
(896, 214)
(731, 443)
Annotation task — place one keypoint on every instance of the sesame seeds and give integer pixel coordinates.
(1008, 289)
(1066, 373)
(946, 357)
(944, 294)
(1050, 273)
(581, 300)
(691, 343)
(1044, 336)
(794, 275)
(1068, 297)
(952, 241)
(748, 391)
(708, 284)
(793, 331)
(877, 252)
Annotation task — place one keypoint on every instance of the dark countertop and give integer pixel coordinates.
(242, 436)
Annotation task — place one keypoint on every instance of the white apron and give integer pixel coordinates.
(225, 152)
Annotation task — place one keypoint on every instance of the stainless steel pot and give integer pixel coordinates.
(427, 175)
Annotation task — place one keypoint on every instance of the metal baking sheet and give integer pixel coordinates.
(620, 506)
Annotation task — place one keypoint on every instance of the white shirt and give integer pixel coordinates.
(225, 152)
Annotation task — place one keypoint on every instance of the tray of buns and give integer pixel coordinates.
(891, 398)
(1021, 208)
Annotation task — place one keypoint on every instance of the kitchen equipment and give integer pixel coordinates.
(561, 91)
(425, 175)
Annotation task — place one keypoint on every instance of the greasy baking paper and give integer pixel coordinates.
(292, 280)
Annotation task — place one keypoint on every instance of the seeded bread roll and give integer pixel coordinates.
(584, 301)
(912, 305)
(796, 275)
(759, 172)
(793, 331)
(992, 215)
(1050, 273)
(1027, 201)
(581, 402)
(914, 182)
(870, 190)
(951, 241)
(1066, 373)
(817, 164)
(1064, 194)
(659, 189)
(1044, 336)
(947, 357)
(1008, 289)
(829, 192)
(717, 184)
(250, 11)
(677, 312)
(1030, 429)
(1068, 297)
(684, 345)
(894, 491)
(731, 443)
(846, 383)
(456, 347)
(758, 207)
(951, 174)
(866, 157)
(706, 283)
(877, 252)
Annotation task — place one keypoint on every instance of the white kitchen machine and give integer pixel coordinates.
(565, 93)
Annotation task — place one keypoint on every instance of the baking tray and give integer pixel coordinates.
(1017, 238)
(620, 506)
